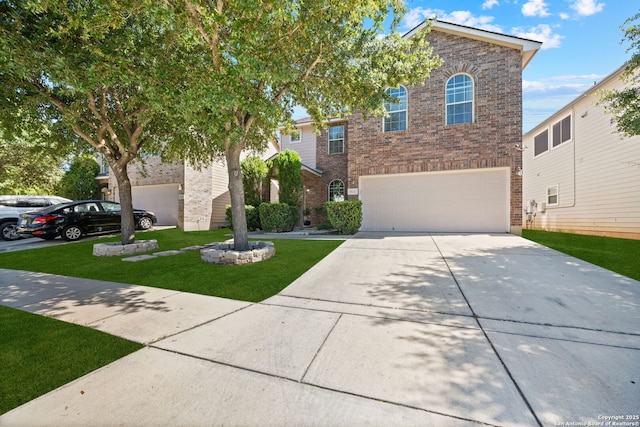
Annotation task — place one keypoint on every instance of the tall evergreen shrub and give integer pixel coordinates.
(289, 164)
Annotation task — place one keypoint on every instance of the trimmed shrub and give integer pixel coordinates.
(253, 217)
(346, 216)
(288, 164)
(254, 172)
(278, 216)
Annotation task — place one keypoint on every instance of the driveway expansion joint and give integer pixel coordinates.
(493, 347)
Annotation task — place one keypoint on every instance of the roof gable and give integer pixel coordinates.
(528, 48)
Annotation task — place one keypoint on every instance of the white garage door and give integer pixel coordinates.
(461, 201)
(160, 199)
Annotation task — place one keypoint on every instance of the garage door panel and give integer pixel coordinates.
(160, 199)
(468, 201)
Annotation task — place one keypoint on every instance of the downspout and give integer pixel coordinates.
(573, 134)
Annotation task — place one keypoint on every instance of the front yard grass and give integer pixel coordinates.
(619, 255)
(40, 354)
(184, 272)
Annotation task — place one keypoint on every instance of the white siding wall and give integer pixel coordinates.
(306, 148)
(597, 173)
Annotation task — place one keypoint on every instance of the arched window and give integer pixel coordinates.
(396, 118)
(459, 98)
(336, 191)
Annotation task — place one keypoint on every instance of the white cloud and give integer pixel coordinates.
(463, 17)
(541, 98)
(488, 4)
(542, 33)
(564, 16)
(561, 84)
(535, 8)
(587, 7)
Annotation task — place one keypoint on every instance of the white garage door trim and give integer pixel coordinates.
(475, 200)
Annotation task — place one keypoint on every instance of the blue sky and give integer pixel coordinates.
(581, 41)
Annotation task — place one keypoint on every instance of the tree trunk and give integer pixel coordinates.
(127, 224)
(238, 213)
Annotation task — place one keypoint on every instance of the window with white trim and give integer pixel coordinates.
(541, 143)
(396, 118)
(459, 99)
(552, 195)
(336, 139)
(295, 136)
(336, 191)
(561, 131)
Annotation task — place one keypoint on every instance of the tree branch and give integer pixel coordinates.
(306, 75)
(211, 40)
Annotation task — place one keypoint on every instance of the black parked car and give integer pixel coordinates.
(74, 220)
(12, 206)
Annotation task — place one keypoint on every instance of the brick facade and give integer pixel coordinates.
(333, 166)
(428, 144)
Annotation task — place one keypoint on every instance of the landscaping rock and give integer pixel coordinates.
(223, 253)
(118, 249)
(138, 258)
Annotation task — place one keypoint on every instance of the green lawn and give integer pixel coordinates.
(619, 255)
(40, 354)
(183, 272)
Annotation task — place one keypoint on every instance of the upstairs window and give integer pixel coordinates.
(396, 118)
(295, 136)
(541, 143)
(459, 99)
(336, 191)
(336, 139)
(561, 131)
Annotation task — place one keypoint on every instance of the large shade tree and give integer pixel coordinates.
(87, 72)
(262, 58)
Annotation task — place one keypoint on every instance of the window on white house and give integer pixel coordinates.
(541, 143)
(396, 118)
(336, 139)
(336, 191)
(295, 136)
(552, 195)
(459, 99)
(561, 131)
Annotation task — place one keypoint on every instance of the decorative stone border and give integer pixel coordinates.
(118, 249)
(223, 253)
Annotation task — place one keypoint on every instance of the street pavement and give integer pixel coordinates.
(389, 329)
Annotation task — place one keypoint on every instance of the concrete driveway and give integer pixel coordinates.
(389, 329)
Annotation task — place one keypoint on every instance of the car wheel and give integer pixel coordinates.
(145, 223)
(9, 230)
(71, 233)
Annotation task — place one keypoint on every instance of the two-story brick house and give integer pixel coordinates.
(446, 157)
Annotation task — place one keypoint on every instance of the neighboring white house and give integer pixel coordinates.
(579, 175)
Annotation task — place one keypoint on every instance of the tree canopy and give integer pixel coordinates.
(27, 168)
(624, 104)
(263, 58)
(88, 71)
(197, 79)
(79, 182)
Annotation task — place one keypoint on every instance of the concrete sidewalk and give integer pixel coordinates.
(389, 329)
